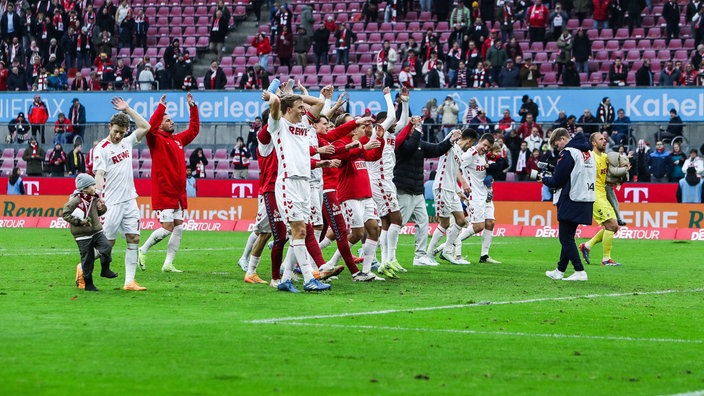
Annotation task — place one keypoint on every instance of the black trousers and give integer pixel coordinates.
(569, 250)
(86, 246)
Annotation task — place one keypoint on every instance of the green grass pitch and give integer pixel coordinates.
(451, 330)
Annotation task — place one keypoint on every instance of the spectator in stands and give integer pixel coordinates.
(461, 15)
(123, 75)
(677, 157)
(564, 53)
(560, 122)
(675, 127)
(588, 122)
(537, 18)
(430, 126)
(252, 137)
(635, 17)
(162, 77)
(644, 75)
(618, 74)
(3, 76)
(344, 37)
(408, 46)
(513, 50)
(605, 114)
(621, 127)
(526, 128)
(639, 162)
(198, 161)
(189, 83)
(530, 74)
(457, 35)
(141, 27)
(478, 33)
(617, 15)
(261, 43)
(37, 116)
(84, 48)
(15, 52)
(441, 9)
(321, 46)
(218, 31)
(414, 65)
(262, 75)
(301, 46)
(528, 107)
(506, 18)
(214, 78)
(69, 45)
(449, 111)
(226, 15)
(94, 81)
(472, 56)
(171, 54)
(506, 123)
(370, 11)
(76, 160)
(182, 68)
(509, 76)
(582, 51)
(481, 78)
(387, 57)
(191, 188)
(283, 17)
(77, 117)
(671, 15)
(368, 79)
(693, 161)
(472, 111)
(558, 21)
(572, 124)
(15, 185)
(669, 76)
(496, 55)
(489, 42)
(146, 78)
(689, 189)
(698, 28)
(463, 76)
(436, 76)
(689, 76)
(513, 143)
(126, 27)
(284, 46)
(570, 77)
(34, 157)
(482, 124)
(453, 58)
(63, 130)
(600, 15)
(79, 83)
(522, 157)
(330, 24)
(104, 42)
(250, 81)
(240, 159)
(18, 129)
(405, 78)
(11, 24)
(659, 164)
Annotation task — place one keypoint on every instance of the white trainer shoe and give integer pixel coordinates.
(577, 276)
(556, 274)
(461, 260)
(449, 257)
(424, 261)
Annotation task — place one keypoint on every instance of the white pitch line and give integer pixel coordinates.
(505, 333)
(458, 306)
(692, 393)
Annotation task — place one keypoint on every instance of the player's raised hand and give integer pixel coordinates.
(405, 95)
(304, 90)
(189, 98)
(119, 104)
(266, 95)
(329, 149)
(162, 100)
(326, 91)
(372, 144)
(364, 121)
(386, 90)
(456, 134)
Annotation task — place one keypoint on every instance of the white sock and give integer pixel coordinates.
(458, 247)
(248, 247)
(253, 264)
(466, 232)
(486, 241)
(382, 246)
(392, 241)
(317, 233)
(130, 262)
(173, 245)
(288, 264)
(437, 234)
(335, 259)
(325, 243)
(155, 238)
(299, 249)
(369, 249)
(452, 235)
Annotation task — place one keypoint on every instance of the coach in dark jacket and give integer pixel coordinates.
(574, 203)
(411, 153)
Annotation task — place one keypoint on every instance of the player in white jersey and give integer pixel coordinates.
(112, 164)
(288, 126)
(481, 209)
(381, 176)
(447, 196)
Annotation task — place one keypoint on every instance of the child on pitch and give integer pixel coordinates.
(83, 211)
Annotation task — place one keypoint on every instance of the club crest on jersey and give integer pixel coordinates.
(336, 210)
(277, 216)
(298, 131)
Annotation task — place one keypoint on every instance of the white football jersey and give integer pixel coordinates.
(384, 167)
(116, 161)
(474, 171)
(316, 174)
(448, 168)
(292, 146)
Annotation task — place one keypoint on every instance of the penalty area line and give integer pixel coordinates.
(508, 334)
(459, 306)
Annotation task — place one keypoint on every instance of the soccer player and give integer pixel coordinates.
(168, 179)
(447, 196)
(603, 213)
(112, 164)
(288, 126)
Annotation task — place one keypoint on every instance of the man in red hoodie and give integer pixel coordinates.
(537, 16)
(168, 179)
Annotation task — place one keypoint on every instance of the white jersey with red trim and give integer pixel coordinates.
(116, 161)
(448, 168)
(292, 145)
(384, 167)
(316, 174)
(474, 171)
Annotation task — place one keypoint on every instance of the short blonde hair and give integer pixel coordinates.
(558, 134)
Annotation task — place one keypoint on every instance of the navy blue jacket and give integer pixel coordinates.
(659, 163)
(568, 210)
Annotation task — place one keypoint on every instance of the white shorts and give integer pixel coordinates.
(359, 211)
(480, 210)
(169, 215)
(316, 206)
(122, 218)
(261, 224)
(293, 199)
(446, 202)
(385, 197)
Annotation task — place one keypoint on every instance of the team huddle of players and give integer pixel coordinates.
(319, 167)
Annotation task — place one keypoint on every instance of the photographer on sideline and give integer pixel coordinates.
(574, 179)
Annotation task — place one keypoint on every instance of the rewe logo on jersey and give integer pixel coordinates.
(120, 157)
(358, 165)
(298, 131)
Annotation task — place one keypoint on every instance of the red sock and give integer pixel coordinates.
(338, 226)
(313, 247)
